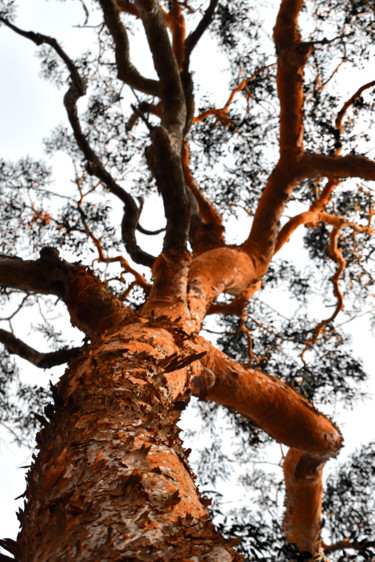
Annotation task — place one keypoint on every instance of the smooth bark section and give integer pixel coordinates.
(42, 360)
(304, 488)
(270, 403)
(351, 166)
(221, 270)
(289, 419)
(292, 56)
(266, 224)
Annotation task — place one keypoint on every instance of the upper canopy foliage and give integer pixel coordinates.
(228, 138)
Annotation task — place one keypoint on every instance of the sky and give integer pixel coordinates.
(30, 107)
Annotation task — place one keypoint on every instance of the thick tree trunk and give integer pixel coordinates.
(111, 480)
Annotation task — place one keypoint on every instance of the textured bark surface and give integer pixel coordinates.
(112, 480)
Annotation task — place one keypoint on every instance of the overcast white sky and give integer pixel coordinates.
(29, 108)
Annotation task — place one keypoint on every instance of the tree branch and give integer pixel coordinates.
(171, 93)
(95, 167)
(41, 360)
(288, 418)
(206, 223)
(292, 56)
(350, 166)
(92, 307)
(192, 40)
(126, 71)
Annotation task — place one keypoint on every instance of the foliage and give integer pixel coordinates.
(231, 155)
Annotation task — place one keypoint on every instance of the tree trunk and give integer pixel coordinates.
(111, 480)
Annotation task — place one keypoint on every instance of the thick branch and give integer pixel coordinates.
(221, 270)
(292, 56)
(165, 165)
(41, 276)
(92, 308)
(288, 418)
(351, 166)
(41, 360)
(304, 488)
(126, 71)
(164, 155)
(167, 68)
(270, 403)
(266, 224)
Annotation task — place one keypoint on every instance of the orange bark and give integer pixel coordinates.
(304, 488)
(112, 480)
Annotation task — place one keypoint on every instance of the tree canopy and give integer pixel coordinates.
(235, 215)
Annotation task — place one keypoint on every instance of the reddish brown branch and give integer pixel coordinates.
(273, 405)
(289, 419)
(206, 229)
(349, 103)
(311, 217)
(176, 23)
(317, 165)
(222, 114)
(292, 56)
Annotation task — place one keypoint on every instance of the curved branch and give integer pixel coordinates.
(192, 40)
(92, 307)
(292, 56)
(42, 360)
(289, 419)
(350, 102)
(206, 228)
(94, 166)
(312, 216)
(222, 114)
(126, 71)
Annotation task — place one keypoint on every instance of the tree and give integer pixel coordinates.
(111, 480)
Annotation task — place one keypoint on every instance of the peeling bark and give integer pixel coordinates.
(112, 479)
